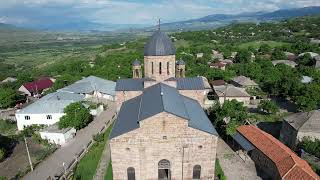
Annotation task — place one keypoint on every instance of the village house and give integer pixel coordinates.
(162, 131)
(218, 65)
(299, 125)
(314, 41)
(230, 92)
(58, 136)
(244, 82)
(9, 80)
(273, 158)
(94, 88)
(36, 87)
(49, 109)
(46, 111)
(217, 55)
(286, 62)
(290, 56)
(199, 55)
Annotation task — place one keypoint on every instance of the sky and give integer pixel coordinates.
(19, 12)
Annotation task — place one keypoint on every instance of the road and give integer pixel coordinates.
(55, 163)
(233, 166)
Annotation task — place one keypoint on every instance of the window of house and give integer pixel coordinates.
(49, 116)
(131, 173)
(196, 172)
(160, 68)
(27, 117)
(168, 70)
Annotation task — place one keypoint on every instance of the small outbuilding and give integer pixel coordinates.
(244, 82)
(57, 136)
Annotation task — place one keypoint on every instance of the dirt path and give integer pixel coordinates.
(233, 166)
(104, 162)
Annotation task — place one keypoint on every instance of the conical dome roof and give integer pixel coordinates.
(136, 63)
(181, 62)
(159, 45)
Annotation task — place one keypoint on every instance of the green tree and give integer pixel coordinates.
(76, 115)
(2, 154)
(265, 49)
(268, 107)
(7, 97)
(230, 115)
(306, 60)
(243, 56)
(278, 54)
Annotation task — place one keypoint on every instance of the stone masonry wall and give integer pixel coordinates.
(122, 96)
(198, 95)
(163, 136)
(156, 63)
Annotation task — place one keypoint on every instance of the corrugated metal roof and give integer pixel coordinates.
(161, 98)
(193, 83)
(127, 119)
(52, 103)
(90, 84)
(159, 44)
(130, 85)
(243, 142)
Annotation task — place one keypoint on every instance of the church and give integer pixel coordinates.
(162, 131)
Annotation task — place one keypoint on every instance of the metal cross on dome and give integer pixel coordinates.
(159, 24)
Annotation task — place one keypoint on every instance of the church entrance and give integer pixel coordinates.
(164, 170)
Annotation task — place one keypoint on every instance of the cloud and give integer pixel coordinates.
(132, 11)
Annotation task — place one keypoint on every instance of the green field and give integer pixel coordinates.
(87, 166)
(109, 175)
(257, 44)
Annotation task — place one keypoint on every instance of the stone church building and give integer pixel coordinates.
(162, 131)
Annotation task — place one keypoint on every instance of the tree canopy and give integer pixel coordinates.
(76, 115)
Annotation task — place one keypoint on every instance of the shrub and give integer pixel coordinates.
(2, 154)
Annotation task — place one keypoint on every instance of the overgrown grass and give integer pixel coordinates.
(7, 128)
(109, 175)
(87, 166)
(219, 172)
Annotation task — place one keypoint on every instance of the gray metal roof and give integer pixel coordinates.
(305, 120)
(193, 83)
(243, 142)
(156, 99)
(136, 63)
(91, 84)
(159, 44)
(51, 103)
(130, 85)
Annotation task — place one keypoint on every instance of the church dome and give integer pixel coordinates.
(136, 63)
(181, 62)
(159, 45)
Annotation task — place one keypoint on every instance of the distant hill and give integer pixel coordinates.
(218, 20)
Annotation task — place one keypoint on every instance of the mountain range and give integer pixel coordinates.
(207, 22)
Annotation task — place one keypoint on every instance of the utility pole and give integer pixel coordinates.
(25, 141)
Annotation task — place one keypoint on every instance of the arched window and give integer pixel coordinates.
(168, 68)
(196, 172)
(152, 67)
(131, 173)
(160, 68)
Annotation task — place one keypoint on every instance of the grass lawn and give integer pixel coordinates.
(257, 44)
(87, 166)
(109, 175)
(219, 172)
(7, 128)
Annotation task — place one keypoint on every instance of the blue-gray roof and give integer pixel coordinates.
(91, 84)
(159, 44)
(156, 99)
(181, 62)
(193, 83)
(243, 142)
(52, 103)
(136, 63)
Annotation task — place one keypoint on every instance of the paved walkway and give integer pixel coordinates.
(233, 166)
(104, 162)
(66, 154)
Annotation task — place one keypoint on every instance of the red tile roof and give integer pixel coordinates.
(38, 85)
(218, 65)
(289, 165)
(217, 82)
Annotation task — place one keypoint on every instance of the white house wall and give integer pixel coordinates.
(38, 119)
(24, 90)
